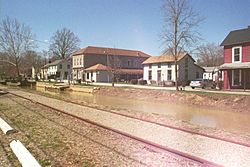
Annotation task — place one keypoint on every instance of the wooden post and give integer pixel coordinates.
(244, 71)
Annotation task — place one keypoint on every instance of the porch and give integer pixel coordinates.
(236, 75)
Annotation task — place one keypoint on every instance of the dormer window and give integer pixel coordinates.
(236, 54)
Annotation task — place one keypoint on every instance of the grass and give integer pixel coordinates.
(87, 163)
(51, 140)
(214, 93)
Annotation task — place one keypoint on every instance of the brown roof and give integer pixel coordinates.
(164, 58)
(101, 67)
(130, 71)
(110, 51)
(97, 67)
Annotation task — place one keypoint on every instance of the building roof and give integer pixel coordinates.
(101, 67)
(237, 37)
(97, 67)
(53, 63)
(110, 51)
(164, 58)
(130, 71)
(210, 69)
(231, 66)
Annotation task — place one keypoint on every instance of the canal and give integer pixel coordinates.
(229, 121)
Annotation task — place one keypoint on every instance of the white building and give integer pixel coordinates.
(58, 70)
(158, 69)
(98, 73)
(212, 74)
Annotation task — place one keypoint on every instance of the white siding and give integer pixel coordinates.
(77, 61)
(164, 71)
(191, 67)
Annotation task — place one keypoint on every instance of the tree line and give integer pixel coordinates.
(18, 44)
(179, 34)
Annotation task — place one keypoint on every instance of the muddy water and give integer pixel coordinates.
(230, 121)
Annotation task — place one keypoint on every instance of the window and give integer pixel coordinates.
(80, 61)
(68, 66)
(169, 75)
(159, 65)
(158, 75)
(74, 62)
(60, 66)
(169, 65)
(88, 74)
(236, 53)
(236, 77)
(149, 75)
(128, 63)
(150, 66)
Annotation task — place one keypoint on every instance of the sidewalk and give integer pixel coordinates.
(217, 151)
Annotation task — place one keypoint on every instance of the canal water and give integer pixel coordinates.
(231, 121)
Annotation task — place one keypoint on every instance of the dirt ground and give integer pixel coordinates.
(59, 140)
(235, 103)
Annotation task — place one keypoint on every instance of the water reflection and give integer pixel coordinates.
(231, 121)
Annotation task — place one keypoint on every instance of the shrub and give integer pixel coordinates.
(142, 82)
(134, 81)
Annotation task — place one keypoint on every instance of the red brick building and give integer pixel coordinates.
(236, 65)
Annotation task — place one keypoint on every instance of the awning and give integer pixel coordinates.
(231, 66)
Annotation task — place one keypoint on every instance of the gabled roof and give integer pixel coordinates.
(165, 58)
(237, 37)
(97, 67)
(53, 63)
(110, 51)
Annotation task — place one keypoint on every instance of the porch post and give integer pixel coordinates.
(244, 72)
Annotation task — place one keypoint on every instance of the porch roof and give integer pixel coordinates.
(101, 67)
(231, 66)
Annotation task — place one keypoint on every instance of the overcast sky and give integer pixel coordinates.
(128, 24)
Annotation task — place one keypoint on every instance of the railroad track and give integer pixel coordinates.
(146, 142)
(70, 129)
(161, 124)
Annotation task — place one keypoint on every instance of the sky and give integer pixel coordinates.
(126, 24)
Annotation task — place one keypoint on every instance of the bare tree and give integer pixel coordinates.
(179, 31)
(63, 43)
(15, 41)
(210, 55)
(113, 64)
(29, 60)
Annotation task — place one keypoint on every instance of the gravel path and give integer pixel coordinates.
(219, 152)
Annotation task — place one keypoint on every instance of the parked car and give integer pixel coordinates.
(201, 83)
